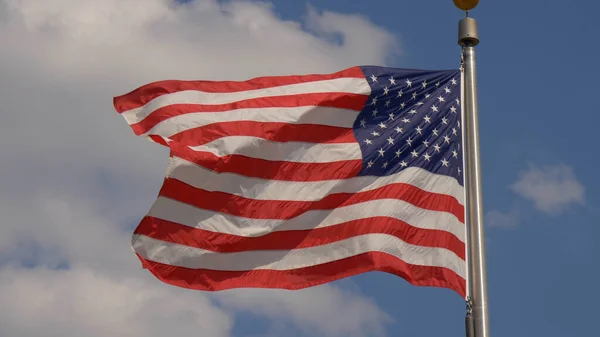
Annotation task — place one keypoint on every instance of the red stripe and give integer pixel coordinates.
(215, 280)
(333, 100)
(278, 132)
(158, 139)
(265, 169)
(140, 96)
(286, 240)
(287, 209)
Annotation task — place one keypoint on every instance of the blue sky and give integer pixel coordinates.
(536, 80)
(74, 181)
(536, 73)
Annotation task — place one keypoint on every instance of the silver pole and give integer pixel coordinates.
(468, 38)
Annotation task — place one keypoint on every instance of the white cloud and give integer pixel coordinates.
(82, 302)
(338, 312)
(498, 219)
(74, 179)
(551, 188)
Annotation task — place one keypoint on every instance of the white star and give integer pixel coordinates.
(369, 164)
(408, 83)
(400, 93)
(426, 143)
(419, 130)
(458, 123)
(427, 96)
(454, 131)
(454, 154)
(386, 90)
(414, 153)
(447, 139)
(388, 102)
(392, 80)
(375, 112)
(437, 148)
(424, 84)
(368, 141)
(373, 78)
(453, 109)
(391, 116)
(445, 162)
(441, 99)
(374, 101)
(414, 95)
(447, 90)
(381, 151)
(363, 123)
(437, 84)
(409, 141)
(406, 120)
(454, 82)
(381, 125)
(375, 133)
(398, 129)
(435, 131)
(427, 119)
(427, 156)
(444, 120)
(459, 170)
(434, 108)
(457, 101)
(402, 105)
(385, 164)
(412, 112)
(403, 164)
(391, 140)
(398, 153)
(420, 103)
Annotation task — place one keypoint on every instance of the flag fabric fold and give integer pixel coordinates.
(294, 181)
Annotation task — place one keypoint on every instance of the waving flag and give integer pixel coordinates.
(293, 181)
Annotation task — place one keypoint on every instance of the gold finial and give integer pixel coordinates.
(466, 5)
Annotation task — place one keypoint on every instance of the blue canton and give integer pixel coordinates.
(411, 119)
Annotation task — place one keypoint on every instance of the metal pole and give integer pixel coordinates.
(468, 38)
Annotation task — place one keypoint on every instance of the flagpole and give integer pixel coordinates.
(477, 320)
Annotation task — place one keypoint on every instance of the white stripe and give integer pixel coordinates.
(297, 115)
(300, 152)
(264, 189)
(341, 85)
(195, 258)
(187, 215)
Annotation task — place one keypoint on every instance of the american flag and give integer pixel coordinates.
(294, 181)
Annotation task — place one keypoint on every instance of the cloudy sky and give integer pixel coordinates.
(74, 180)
